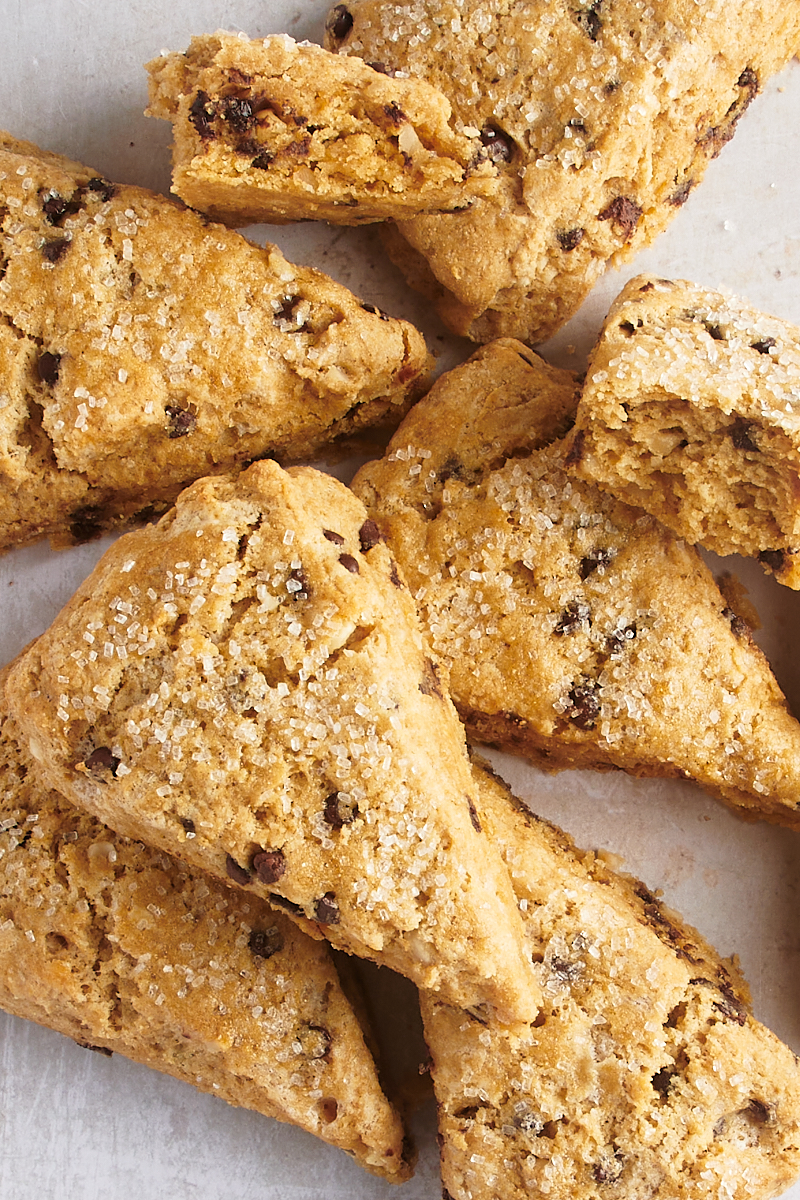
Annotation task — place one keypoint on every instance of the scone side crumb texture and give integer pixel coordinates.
(576, 629)
(276, 130)
(126, 950)
(601, 119)
(246, 684)
(142, 347)
(691, 409)
(645, 1072)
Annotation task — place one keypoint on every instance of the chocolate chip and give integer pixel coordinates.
(739, 627)
(566, 971)
(595, 559)
(585, 705)
(647, 287)
(201, 114)
(326, 910)
(349, 563)
(181, 421)
(339, 23)
(369, 535)
(262, 161)
(56, 207)
(269, 865)
(570, 239)
(624, 213)
(731, 1007)
(187, 823)
(618, 639)
(681, 193)
(765, 345)
(740, 432)
(102, 759)
(394, 576)
(265, 942)
(473, 815)
(498, 144)
(104, 190)
(333, 536)
(772, 559)
(47, 366)
(714, 331)
(760, 1112)
(575, 452)
(589, 20)
(430, 684)
(237, 873)
(382, 69)
(572, 618)
(238, 112)
(55, 249)
(339, 810)
(299, 589)
(395, 113)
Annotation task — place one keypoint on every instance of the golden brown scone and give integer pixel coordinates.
(645, 1073)
(576, 629)
(278, 130)
(124, 949)
(251, 670)
(142, 347)
(691, 409)
(601, 116)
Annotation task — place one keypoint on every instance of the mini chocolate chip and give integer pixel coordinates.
(395, 113)
(102, 759)
(333, 536)
(202, 113)
(772, 559)
(589, 20)
(430, 684)
(55, 250)
(369, 535)
(585, 705)
(740, 432)
(265, 942)
(568, 972)
(187, 823)
(765, 345)
(760, 1112)
(624, 213)
(262, 161)
(297, 577)
(499, 145)
(681, 193)
(618, 639)
(570, 239)
(382, 69)
(339, 810)
(647, 287)
(731, 1007)
(102, 188)
(394, 576)
(739, 627)
(47, 366)
(349, 563)
(238, 112)
(473, 815)
(340, 22)
(595, 559)
(326, 910)
(572, 618)
(181, 421)
(575, 452)
(56, 207)
(237, 873)
(714, 331)
(269, 865)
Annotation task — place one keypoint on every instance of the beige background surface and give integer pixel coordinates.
(78, 1126)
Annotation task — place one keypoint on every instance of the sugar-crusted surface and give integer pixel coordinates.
(691, 409)
(142, 347)
(126, 950)
(645, 1073)
(602, 118)
(246, 684)
(576, 629)
(276, 130)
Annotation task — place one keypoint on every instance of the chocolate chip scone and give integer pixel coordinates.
(142, 347)
(645, 1073)
(691, 409)
(126, 950)
(246, 684)
(576, 629)
(276, 130)
(601, 115)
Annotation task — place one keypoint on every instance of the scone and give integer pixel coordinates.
(142, 347)
(645, 1073)
(124, 949)
(576, 629)
(601, 115)
(276, 130)
(691, 409)
(246, 684)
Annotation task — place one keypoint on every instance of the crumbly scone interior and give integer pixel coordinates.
(274, 130)
(126, 950)
(645, 1072)
(689, 411)
(576, 629)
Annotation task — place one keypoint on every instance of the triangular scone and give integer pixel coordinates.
(644, 1075)
(246, 684)
(691, 410)
(601, 118)
(124, 949)
(276, 130)
(142, 347)
(576, 629)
